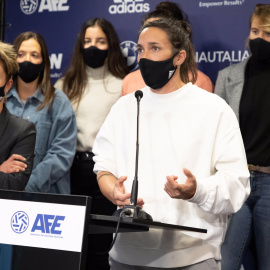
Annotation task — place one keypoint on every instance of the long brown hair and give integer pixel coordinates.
(75, 79)
(179, 34)
(44, 78)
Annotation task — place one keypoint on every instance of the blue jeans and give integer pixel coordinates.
(251, 222)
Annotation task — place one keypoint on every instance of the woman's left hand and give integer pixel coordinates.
(181, 191)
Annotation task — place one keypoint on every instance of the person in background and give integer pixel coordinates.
(134, 80)
(192, 168)
(93, 84)
(17, 136)
(32, 97)
(245, 86)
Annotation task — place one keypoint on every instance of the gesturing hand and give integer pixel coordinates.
(13, 164)
(120, 197)
(183, 191)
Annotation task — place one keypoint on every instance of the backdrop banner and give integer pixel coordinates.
(220, 28)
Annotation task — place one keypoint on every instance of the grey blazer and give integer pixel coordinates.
(17, 136)
(230, 83)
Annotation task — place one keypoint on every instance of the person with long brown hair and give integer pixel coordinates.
(246, 88)
(93, 84)
(32, 97)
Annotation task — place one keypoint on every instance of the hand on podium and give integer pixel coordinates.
(120, 197)
(122, 200)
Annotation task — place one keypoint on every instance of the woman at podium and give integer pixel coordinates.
(192, 168)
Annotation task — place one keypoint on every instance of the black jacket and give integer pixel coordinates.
(17, 136)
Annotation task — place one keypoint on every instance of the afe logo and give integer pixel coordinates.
(129, 50)
(19, 222)
(47, 224)
(29, 6)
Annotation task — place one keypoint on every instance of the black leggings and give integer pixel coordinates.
(84, 182)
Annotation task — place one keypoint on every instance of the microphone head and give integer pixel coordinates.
(138, 94)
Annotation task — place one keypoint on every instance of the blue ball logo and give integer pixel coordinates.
(28, 6)
(19, 222)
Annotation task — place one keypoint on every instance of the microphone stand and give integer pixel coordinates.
(133, 210)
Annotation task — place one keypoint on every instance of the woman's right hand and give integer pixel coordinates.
(120, 197)
(14, 164)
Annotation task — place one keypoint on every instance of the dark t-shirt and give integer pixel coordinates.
(254, 113)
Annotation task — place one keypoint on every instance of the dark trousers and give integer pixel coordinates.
(84, 182)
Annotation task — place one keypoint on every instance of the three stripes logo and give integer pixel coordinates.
(19, 222)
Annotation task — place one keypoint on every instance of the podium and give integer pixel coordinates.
(43, 231)
(100, 224)
(49, 231)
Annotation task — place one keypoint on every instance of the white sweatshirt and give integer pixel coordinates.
(188, 128)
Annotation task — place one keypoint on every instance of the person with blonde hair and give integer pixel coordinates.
(17, 136)
(246, 88)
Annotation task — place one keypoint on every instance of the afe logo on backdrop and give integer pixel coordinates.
(19, 222)
(129, 50)
(30, 6)
(129, 6)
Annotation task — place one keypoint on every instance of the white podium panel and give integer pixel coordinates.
(43, 231)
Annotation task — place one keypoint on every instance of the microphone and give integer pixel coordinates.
(133, 210)
(138, 95)
(134, 190)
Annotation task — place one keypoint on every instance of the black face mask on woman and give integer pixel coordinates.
(260, 49)
(29, 71)
(94, 57)
(156, 74)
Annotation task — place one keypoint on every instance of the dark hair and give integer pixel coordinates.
(75, 78)
(44, 78)
(179, 33)
(174, 8)
(161, 14)
(167, 10)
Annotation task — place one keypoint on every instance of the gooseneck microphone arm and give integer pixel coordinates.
(134, 191)
(132, 210)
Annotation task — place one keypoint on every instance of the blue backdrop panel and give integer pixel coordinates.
(220, 28)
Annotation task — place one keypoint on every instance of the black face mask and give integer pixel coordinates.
(156, 74)
(94, 57)
(29, 71)
(260, 49)
(2, 91)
